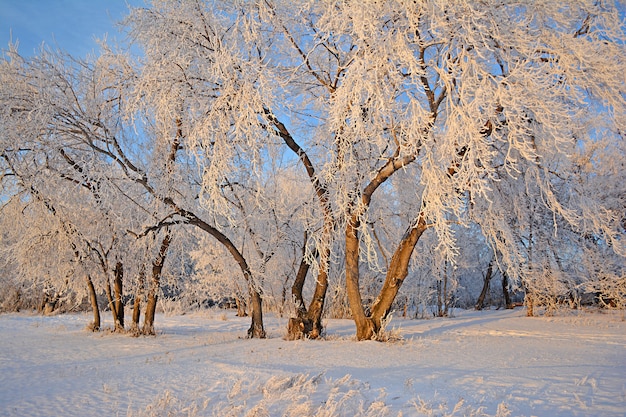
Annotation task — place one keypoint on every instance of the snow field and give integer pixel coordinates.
(490, 363)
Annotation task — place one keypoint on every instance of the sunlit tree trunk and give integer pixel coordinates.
(157, 269)
(93, 299)
(398, 271)
(298, 283)
(364, 326)
(299, 326)
(112, 304)
(256, 329)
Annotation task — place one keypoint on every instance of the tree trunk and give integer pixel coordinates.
(309, 324)
(136, 311)
(364, 326)
(505, 290)
(439, 299)
(442, 294)
(369, 327)
(241, 307)
(137, 299)
(483, 294)
(316, 308)
(298, 327)
(95, 326)
(107, 291)
(298, 284)
(118, 285)
(530, 304)
(256, 327)
(157, 269)
(398, 271)
(257, 310)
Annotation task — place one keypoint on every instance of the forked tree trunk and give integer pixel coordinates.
(157, 269)
(299, 326)
(93, 299)
(483, 294)
(369, 327)
(308, 322)
(119, 302)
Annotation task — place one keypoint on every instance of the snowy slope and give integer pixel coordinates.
(477, 363)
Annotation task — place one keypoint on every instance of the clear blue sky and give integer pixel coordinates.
(71, 25)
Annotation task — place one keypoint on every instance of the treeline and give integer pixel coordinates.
(345, 160)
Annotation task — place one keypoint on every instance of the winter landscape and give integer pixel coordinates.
(315, 208)
(487, 363)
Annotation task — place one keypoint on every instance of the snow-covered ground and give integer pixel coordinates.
(475, 364)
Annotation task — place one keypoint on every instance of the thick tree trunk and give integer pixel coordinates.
(151, 302)
(364, 326)
(308, 323)
(483, 294)
(398, 271)
(93, 299)
(256, 329)
(316, 308)
(369, 327)
(119, 302)
(157, 269)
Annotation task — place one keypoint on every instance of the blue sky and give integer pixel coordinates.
(71, 25)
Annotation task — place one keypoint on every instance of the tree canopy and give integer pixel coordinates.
(367, 140)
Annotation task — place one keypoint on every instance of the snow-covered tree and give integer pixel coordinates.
(399, 119)
(466, 97)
